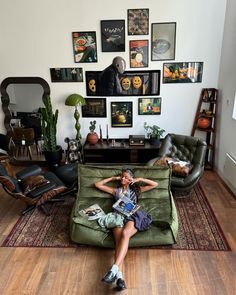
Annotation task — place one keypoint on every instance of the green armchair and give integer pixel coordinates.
(185, 148)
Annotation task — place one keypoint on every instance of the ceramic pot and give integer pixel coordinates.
(92, 138)
(204, 123)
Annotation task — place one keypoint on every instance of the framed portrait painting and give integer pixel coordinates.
(138, 21)
(149, 106)
(113, 35)
(84, 47)
(138, 53)
(182, 72)
(163, 41)
(121, 114)
(95, 107)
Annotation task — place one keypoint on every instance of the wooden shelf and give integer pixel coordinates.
(207, 102)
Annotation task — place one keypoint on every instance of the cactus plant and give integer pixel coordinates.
(49, 125)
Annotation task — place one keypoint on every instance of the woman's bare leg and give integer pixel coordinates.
(122, 247)
(117, 233)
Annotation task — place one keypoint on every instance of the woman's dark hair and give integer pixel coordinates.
(135, 187)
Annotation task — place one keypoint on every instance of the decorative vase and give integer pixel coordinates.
(204, 123)
(92, 138)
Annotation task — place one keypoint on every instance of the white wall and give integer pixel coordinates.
(226, 135)
(36, 35)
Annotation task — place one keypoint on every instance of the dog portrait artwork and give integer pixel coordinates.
(73, 151)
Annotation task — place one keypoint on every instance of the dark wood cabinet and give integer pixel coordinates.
(119, 152)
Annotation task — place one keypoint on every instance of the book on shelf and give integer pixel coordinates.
(92, 212)
(125, 206)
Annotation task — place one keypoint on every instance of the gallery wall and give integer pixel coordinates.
(37, 36)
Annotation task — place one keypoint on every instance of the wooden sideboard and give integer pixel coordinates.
(119, 151)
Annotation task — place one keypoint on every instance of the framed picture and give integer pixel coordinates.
(84, 46)
(113, 35)
(121, 114)
(66, 74)
(182, 72)
(149, 106)
(138, 53)
(138, 21)
(95, 107)
(132, 83)
(163, 41)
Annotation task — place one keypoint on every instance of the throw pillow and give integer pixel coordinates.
(179, 168)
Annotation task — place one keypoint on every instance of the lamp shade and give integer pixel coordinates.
(74, 100)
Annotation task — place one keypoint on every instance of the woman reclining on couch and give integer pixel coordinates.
(139, 221)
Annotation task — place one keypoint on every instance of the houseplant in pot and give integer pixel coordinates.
(92, 136)
(154, 132)
(52, 151)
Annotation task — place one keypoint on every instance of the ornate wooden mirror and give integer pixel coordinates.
(21, 103)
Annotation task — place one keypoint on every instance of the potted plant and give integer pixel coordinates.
(154, 133)
(52, 151)
(92, 136)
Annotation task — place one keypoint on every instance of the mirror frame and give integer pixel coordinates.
(6, 101)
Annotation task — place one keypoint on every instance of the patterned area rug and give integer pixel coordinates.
(198, 230)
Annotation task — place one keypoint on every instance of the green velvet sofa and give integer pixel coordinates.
(157, 202)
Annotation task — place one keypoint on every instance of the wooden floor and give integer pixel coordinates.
(147, 271)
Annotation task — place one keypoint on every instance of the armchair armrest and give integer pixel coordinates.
(29, 171)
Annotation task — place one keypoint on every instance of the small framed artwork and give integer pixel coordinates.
(138, 21)
(163, 41)
(95, 107)
(84, 46)
(182, 72)
(66, 74)
(113, 35)
(138, 53)
(121, 114)
(149, 106)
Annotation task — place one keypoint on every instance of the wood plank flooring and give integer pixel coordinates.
(147, 271)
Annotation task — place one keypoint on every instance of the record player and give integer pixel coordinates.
(137, 140)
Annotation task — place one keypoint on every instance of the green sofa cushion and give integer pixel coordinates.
(157, 202)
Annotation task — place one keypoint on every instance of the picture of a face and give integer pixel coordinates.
(125, 83)
(92, 85)
(137, 82)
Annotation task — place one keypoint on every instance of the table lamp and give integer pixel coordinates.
(74, 100)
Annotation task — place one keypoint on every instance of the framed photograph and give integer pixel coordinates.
(113, 35)
(121, 114)
(163, 41)
(182, 72)
(149, 106)
(138, 21)
(132, 83)
(84, 46)
(95, 107)
(66, 74)
(138, 53)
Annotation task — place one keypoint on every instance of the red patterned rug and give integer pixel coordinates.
(198, 227)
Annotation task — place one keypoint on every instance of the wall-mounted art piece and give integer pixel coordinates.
(163, 41)
(84, 46)
(131, 83)
(113, 35)
(121, 114)
(138, 53)
(149, 106)
(138, 21)
(182, 72)
(66, 74)
(95, 107)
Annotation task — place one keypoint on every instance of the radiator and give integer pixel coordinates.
(230, 169)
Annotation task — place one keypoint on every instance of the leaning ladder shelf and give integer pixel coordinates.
(205, 122)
